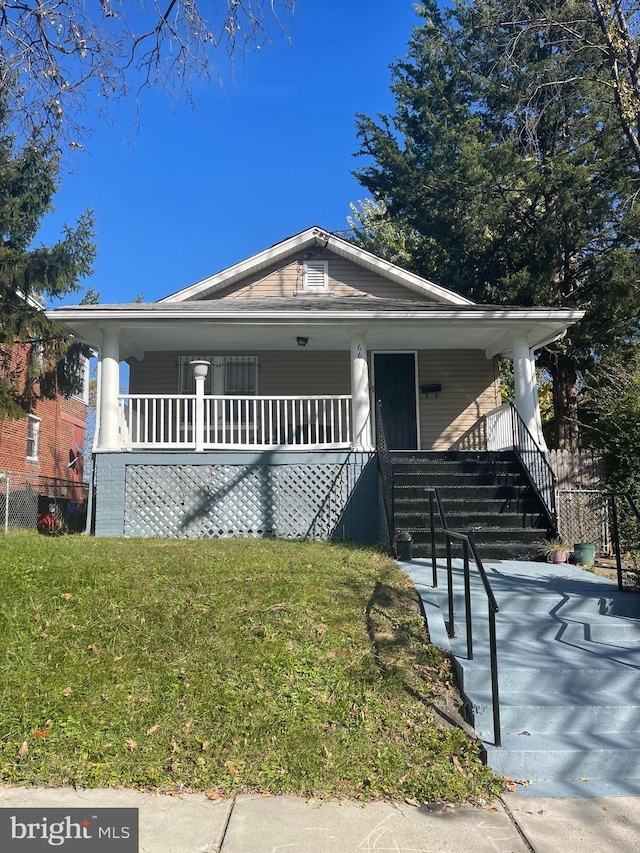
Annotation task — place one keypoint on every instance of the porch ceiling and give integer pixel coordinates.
(192, 327)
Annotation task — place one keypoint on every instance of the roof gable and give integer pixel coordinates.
(296, 248)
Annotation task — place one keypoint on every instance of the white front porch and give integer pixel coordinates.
(280, 414)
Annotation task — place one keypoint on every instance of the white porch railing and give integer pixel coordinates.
(169, 421)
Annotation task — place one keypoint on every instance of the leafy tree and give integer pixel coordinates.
(67, 52)
(375, 231)
(518, 189)
(612, 414)
(29, 276)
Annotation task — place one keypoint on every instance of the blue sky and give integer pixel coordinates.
(188, 195)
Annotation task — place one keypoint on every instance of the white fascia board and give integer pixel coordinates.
(119, 314)
(317, 236)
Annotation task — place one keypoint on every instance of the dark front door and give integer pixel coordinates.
(395, 386)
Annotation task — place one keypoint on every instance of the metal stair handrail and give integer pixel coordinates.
(536, 465)
(468, 545)
(615, 534)
(386, 472)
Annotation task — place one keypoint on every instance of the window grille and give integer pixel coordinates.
(186, 380)
(231, 375)
(240, 375)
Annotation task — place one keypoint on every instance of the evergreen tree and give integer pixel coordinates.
(520, 188)
(30, 276)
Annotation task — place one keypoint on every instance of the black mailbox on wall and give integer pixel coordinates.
(434, 388)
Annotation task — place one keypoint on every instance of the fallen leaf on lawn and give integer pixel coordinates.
(95, 649)
(67, 691)
(117, 658)
(24, 749)
(131, 744)
(266, 793)
(204, 746)
(42, 733)
(174, 748)
(67, 596)
(153, 729)
(411, 802)
(175, 768)
(213, 795)
(232, 770)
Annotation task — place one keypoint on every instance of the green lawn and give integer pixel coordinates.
(222, 665)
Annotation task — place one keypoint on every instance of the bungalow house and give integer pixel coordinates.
(255, 394)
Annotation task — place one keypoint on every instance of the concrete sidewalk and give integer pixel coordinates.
(190, 823)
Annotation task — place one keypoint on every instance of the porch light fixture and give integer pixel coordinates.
(302, 342)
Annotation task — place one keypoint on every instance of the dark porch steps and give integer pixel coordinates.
(413, 516)
(486, 494)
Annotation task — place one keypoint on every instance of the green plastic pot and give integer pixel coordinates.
(584, 553)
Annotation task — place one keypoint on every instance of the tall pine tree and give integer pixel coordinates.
(31, 275)
(520, 189)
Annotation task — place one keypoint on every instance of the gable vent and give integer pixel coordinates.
(315, 275)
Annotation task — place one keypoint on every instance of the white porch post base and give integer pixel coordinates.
(361, 400)
(108, 434)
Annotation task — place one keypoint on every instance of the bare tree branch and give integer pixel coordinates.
(69, 58)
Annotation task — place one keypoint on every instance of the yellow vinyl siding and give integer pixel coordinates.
(280, 374)
(469, 390)
(345, 279)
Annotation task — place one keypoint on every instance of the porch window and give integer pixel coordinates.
(186, 381)
(315, 276)
(231, 375)
(33, 437)
(241, 375)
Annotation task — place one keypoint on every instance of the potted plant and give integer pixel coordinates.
(403, 544)
(556, 550)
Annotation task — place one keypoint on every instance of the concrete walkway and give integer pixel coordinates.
(568, 649)
(190, 823)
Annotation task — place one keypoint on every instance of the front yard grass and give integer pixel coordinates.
(223, 666)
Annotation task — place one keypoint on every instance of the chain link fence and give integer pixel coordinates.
(45, 503)
(583, 516)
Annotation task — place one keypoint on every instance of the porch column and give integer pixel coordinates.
(526, 388)
(108, 436)
(361, 400)
(200, 370)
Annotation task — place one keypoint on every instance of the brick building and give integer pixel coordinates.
(42, 452)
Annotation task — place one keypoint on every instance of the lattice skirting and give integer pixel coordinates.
(293, 501)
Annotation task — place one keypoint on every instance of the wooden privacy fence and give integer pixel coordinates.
(577, 469)
(582, 507)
